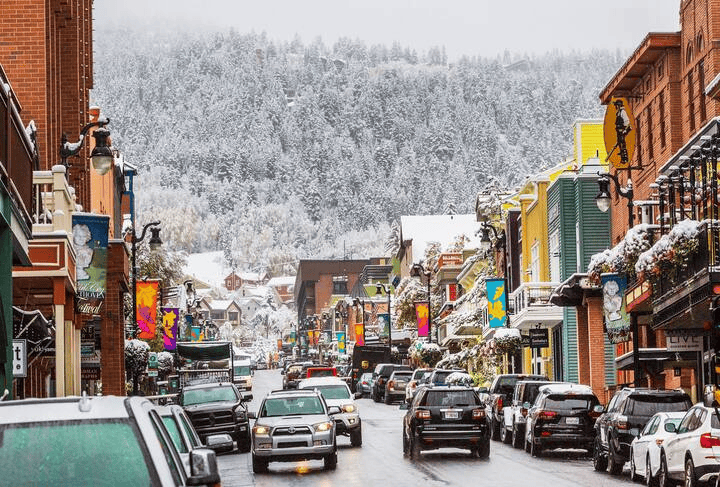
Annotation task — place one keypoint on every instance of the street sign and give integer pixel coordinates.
(20, 358)
(152, 361)
(539, 338)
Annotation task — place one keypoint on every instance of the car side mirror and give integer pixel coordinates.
(251, 415)
(203, 467)
(220, 441)
(670, 428)
(404, 406)
(282, 372)
(358, 395)
(246, 397)
(334, 410)
(598, 408)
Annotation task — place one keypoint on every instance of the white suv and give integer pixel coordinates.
(337, 393)
(692, 453)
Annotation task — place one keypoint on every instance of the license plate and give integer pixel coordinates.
(572, 420)
(451, 415)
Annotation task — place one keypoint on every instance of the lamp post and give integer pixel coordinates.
(101, 156)
(417, 270)
(382, 287)
(154, 243)
(603, 203)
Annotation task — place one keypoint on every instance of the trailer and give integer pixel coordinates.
(208, 362)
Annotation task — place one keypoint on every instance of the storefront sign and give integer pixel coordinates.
(497, 302)
(619, 133)
(638, 295)
(539, 338)
(685, 343)
(90, 239)
(617, 321)
(19, 352)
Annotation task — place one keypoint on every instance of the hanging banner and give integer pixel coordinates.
(147, 309)
(340, 341)
(421, 314)
(170, 327)
(383, 321)
(359, 334)
(619, 133)
(196, 334)
(497, 302)
(617, 321)
(316, 338)
(90, 239)
(292, 337)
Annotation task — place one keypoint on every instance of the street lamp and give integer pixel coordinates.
(154, 243)
(101, 156)
(416, 271)
(485, 241)
(381, 287)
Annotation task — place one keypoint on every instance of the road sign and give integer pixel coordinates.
(152, 360)
(20, 358)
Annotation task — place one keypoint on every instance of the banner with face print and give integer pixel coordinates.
(90, 240)
(617, 321)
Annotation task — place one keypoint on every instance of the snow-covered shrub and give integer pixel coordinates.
(429, 354)
(459, 378)
(136, 356)
(623, 256)
(165, 362)
(670, 251)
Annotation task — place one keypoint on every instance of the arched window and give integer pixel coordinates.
(688, 53)
(699, 43)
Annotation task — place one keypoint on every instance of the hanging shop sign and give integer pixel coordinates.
(171, 316)
(497, 302)
(539, 338)
(684, 343)
(90, 240)
(619, 133)
(617, 321)
(147, 294)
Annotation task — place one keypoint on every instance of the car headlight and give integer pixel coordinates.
(261, 430)
(349, 408)
(324, 426)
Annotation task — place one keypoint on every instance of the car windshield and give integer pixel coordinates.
(333, 391)
(506, 385)
(421, 374)
(242, 370)
(172, 428)
(205, 395)
(647, 405)
(439, 377)
(295, 369)
(450, 398)
(404, 376)
(292, 406)
(87, 453)
(570, 402)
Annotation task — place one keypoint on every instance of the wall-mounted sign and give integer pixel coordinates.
(90, 239)
(617, 321)
(685, 343)
(19, 352)
(619, 133)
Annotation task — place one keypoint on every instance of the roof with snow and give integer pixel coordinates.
(220, 304)
(423, 229)
(281, 281)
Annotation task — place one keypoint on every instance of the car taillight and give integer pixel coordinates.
(622, 423)
(499, 403)
(380, 381)
(524, 412)
(546, 414)
(707, 440)
(422, 414)
(478, 413)
(659, 441)
(391, 384)
(594, 414)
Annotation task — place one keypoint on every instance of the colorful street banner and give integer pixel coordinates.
(497, 302)
(292, 337)
(422, 315)
(311, 335)
(359, 334)
(383, 322)
(90, 239)
(617, 321)
(147, 294)
(316, 339)
(196, 334)
(340, 341)
(171, 317)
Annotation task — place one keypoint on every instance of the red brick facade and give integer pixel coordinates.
(113, 331)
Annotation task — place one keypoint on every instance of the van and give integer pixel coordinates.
(242, 374)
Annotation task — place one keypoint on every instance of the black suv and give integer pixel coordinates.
(381, 375)
(563, 416)
(446, 416)
(216, 408)
(626, 415)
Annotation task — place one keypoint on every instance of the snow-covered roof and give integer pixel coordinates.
(222, 304)
(250, 276)
(207, 266)
(281, 281)
(445, 229)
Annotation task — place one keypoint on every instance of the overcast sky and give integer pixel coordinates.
(464, 27)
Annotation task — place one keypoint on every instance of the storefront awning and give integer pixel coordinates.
(656, 357)
(204, 350)
(573, 291)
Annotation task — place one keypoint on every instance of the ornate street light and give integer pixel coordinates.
(603, 198)
(102, 156)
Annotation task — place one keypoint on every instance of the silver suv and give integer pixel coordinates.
(337, 393)
(293, 426)
(89, 441)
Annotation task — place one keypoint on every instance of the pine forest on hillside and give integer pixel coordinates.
(274, 152)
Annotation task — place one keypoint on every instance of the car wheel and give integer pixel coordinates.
(243, 443)
(356, 437)
(331, 461)
(527, 443)
(535, 448)
(259, 465)
(387, 399)
(505, 435)
(599, 461)
(516, 438)
(633, 474)
(495, 430)
(405, 443)
(690, 477)
(649, 479)
(615, 467)
(414, 448)
(662, 478)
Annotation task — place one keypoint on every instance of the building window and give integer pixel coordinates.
(691, 103)
(701, 89)
(232, 316)
(660, 69)
(688, 53)
(638, 142)
(217, 315)
(340, 285)
(700, 45)
(661, 112)
(554, 242)
(535, 262)
(651, 153)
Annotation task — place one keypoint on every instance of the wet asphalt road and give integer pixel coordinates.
(380, 462)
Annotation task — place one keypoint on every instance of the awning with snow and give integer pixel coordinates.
(204, 350)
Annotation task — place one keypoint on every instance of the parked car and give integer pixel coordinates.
(645, 448)
(500, 395)
(336, 392)
(293, 375)
(514, 415)
(365, 384)
(692, 452)
(216, 408)
(627, 413)
(293, 426)
(395, 387)
(415, 380)
(381, 375)
(91, 441)
(563, 416)
(446, 416)
(320, 372)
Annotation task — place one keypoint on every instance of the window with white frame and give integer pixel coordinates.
(535, 262)
(554, 242)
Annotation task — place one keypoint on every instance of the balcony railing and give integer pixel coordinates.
(54, 201)
(531, 294)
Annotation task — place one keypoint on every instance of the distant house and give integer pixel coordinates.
(235, 281)
(285, 288)
(220, 311)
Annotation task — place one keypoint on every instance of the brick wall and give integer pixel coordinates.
(113, 330)
(596, 344)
